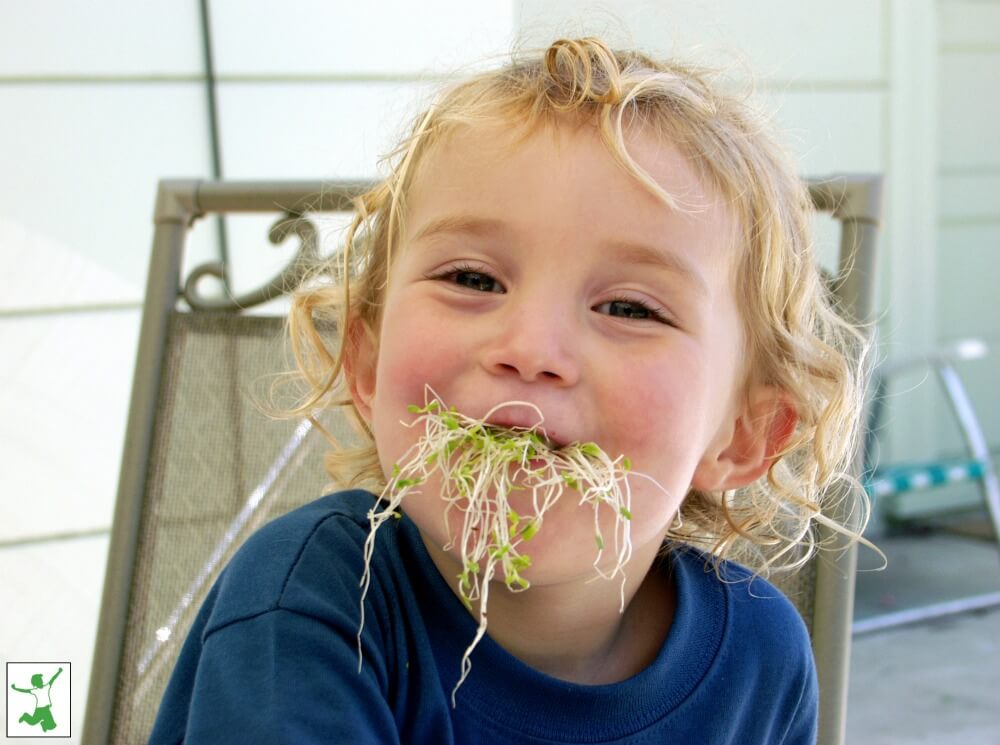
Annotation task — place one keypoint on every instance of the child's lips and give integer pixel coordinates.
(508, 421)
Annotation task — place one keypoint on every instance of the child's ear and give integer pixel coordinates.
(360, 361)
(746, 450)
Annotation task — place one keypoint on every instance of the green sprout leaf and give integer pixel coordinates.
(528, 531)
(516, 579)
(499, 553)
(521, 562)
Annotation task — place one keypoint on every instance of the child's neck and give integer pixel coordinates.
(577, 632)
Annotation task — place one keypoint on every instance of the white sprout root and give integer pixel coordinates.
(480, 465)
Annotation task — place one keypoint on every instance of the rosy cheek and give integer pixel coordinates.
(420, 361)
(410, 352)
(643, 407)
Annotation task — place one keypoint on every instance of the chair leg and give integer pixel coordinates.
(976, 440)
(991, 493)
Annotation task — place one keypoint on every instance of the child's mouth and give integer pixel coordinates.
(546, 439)
(503, 473)
(516, 418)
(543, 442)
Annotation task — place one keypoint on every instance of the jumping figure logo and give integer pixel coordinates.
(38, 699)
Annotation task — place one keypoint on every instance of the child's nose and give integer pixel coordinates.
(535, 340)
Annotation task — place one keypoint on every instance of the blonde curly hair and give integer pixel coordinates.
(796, 341)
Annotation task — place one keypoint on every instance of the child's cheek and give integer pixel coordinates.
(417, 360)
(650, 409)
(411, 358)
(659, 427)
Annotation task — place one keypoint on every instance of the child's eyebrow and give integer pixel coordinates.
(462, 224)
(641, 254)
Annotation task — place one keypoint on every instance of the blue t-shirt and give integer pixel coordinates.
(273, 657)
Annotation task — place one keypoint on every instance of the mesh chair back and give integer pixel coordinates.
(204, 467)
(219, 470)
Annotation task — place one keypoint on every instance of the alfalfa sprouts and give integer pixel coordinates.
(479, 467)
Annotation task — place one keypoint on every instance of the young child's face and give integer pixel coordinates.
(539, 270)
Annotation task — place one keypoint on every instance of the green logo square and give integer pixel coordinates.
(39, 699)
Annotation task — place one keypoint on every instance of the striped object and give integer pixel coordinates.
(905, 477)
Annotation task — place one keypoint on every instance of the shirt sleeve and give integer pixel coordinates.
(278, 677)
(803, 728)
(272, 656)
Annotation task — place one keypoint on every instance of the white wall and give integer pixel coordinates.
(100, 100)
(968, 164)
(955, 113)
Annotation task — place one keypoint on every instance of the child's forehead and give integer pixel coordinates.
(466, 145)
(469, 159)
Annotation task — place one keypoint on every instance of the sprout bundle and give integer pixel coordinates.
(480, 466)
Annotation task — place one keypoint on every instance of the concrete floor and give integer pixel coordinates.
(936, 681)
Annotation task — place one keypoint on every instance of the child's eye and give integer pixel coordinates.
(625, 308)
(477, 281)
(472, 278)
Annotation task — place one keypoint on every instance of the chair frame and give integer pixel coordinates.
(855, 200)
(942, 362)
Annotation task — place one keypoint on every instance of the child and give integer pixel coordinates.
(42, 692)
(595, 260)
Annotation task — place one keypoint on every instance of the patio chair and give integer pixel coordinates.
(203, 468)
(890, 485)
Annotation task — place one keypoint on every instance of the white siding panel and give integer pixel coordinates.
(970, 110)
(969, 275)
(969, 23)
(970, 196)
(780, 39)
(65, 395)
(81, 165)
(40, 271)
(832, 131)
(53, 591)
(112, 37)
(969, 187)
(313, 130)
(317, 37)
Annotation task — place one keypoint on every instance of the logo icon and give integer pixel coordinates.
(38, 699)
